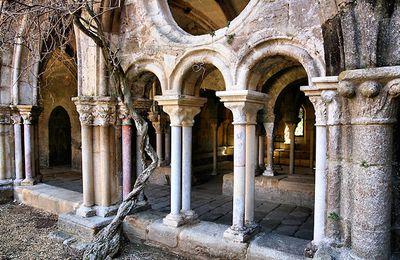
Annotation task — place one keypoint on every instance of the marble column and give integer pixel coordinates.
(181, 110)
(155, 119)
(126, 158)
(269, 129)
(167, 150)
(292, 129)
(244, 106)
(312, 147)
(3, 166)
(214, 129)
(19, 172)
(28, 148)
(105, 199)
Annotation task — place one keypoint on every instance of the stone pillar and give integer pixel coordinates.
(269, 129)
(3, 166)
(244, 105)
(19, 172)
(261, 151)
(126, 158)
(139, 166)
(214, 129)
(26, 113)
(167, 132)
(312, 148)
(181, 110)
(371, 106)
(155, 119)
(292, 129)
(105, 200)
(87, 161)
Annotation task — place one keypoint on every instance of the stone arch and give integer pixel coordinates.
(271, 48)
(146, 65)
(199, 58)
(59, 124)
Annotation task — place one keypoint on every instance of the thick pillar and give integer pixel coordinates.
(244, 106)
(126, 159)
(19, 172)
(269, 129)
(214, 129)
(292, 128)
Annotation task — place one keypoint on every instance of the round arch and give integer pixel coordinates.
(199, 58)
(271, 48)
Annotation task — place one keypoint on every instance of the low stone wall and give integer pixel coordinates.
(6, 192)
(291, 190)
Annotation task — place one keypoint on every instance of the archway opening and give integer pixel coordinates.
(205, 16)
(59, 138)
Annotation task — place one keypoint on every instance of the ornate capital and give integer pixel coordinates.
(96, 110)
(320, 110)
(123, 114)
(370, 94)
(244, 104)
(104, 115)
(28, 113)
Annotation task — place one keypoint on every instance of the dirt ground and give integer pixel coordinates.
(24, 235)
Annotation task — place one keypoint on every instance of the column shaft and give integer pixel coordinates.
(126, 160)
(139, 167)
(176, 170)
(87, 165)
(261, 152)
(28, 154)
(320, 185)
(292, 128)
(19, 173)
(105, 199)
(3, 167)
(159, 148)
(239, 180)
(215, 148)
(250, 172)
(167, 146)
(186, 167)
(312, 148)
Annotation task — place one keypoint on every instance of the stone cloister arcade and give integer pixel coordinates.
(220, 97)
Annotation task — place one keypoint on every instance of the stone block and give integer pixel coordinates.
(273, 246)
(135, 226)
(205, 240)
(164, 235)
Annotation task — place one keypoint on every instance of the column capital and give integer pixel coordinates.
(98, 111)
(123, 114)
(181, 109)
(244, 104)
(28, 113)
(84, 106)
(370, 94)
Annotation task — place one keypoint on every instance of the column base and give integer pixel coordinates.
(237, 234)
(28, 182)
(268, 172)
(108, 211)
(190, 217)
(214, 173)
(85, 212)
(253, 228)
(17, 182)
(173, 220)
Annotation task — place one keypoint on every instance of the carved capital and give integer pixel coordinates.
(374, 93)
(104, 115)
(123, 114)
(85, 114)
(28, 113)
(320, 110)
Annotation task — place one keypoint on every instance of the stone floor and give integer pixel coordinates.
(210, 205)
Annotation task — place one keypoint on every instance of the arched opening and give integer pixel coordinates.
(59, 138)
(206, 16)
(287, 147)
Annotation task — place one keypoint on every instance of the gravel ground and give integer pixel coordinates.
(24, 235)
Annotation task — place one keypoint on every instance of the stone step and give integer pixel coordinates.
(49, 198)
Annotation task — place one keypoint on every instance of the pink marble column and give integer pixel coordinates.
(126, 159)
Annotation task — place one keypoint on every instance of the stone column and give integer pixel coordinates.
(181, 110)
(3, 166)
(292, 128)
(126, 157)
(371, 106)
(244, 106)
(269, 129)
(86, 119)
(214, 129)
(167, 139)
(19, 172)
(155, 119)
(312, 148)
(105, 200)
(27, 116)
(261, 151)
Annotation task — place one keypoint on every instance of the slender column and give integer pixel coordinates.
(105, 199)
(3, 167)
(261, 151)
(19, 174)
(187, 170)
(126, 159)
(292, 128)
(174, 218)
(269, 129)
(159, 145)
(36, 164)
(250, 172)
(312, 148)
(214, 129)
(139, 166)
(167, 145)
(28, 152)
(87, 165)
